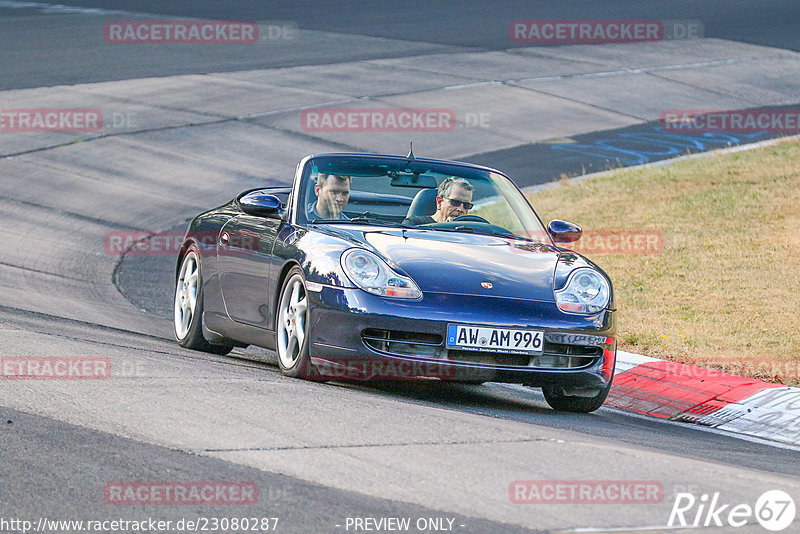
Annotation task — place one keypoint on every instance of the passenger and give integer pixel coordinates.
(333, 192)
(454, 200)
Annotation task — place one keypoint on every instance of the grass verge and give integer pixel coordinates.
(715, 278)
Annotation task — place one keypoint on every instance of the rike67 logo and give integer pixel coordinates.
(774, 510)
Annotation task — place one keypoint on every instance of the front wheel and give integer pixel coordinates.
(292, 327)
(188, 308)
(554, 395)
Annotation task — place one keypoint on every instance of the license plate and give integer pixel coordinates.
(488, 339)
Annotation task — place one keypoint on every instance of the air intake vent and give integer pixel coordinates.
(401, 343)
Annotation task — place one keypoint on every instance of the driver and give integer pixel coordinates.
(333, 192)
(454, 200)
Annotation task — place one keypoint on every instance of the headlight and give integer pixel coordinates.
(373, 275)
(586, 292)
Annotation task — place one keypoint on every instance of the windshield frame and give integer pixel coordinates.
(502, 184)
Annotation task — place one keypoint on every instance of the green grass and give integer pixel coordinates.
(724, 291)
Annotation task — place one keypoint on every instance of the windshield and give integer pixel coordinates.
(415, 194)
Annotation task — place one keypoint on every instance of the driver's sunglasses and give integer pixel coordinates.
(459, 203)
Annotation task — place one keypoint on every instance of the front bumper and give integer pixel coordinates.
(356, 335)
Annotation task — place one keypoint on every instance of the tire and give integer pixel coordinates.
(564, 403)
(292, 328)
(188, 307)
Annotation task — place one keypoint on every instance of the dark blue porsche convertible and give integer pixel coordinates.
(392, 267)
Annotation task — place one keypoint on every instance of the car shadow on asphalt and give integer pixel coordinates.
(467, 397)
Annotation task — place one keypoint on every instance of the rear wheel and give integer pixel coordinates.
(292, 327)
(188, 308)
(554, 395)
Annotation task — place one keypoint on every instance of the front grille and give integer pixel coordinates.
(572, 350)
(424, 345)
(561, 356)
(402, 343)
(555, 356)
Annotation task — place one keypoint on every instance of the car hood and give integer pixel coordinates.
(470, 264)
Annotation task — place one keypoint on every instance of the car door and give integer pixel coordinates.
(244, 256)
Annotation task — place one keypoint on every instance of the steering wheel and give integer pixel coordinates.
(471, 218)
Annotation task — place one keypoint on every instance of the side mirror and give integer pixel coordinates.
(564, 231)
(261, 204)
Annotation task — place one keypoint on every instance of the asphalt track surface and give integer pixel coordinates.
(319, 453)
(442, 26)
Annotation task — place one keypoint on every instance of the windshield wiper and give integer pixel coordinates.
(365, 218)
(476, 230)
(506, 233)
